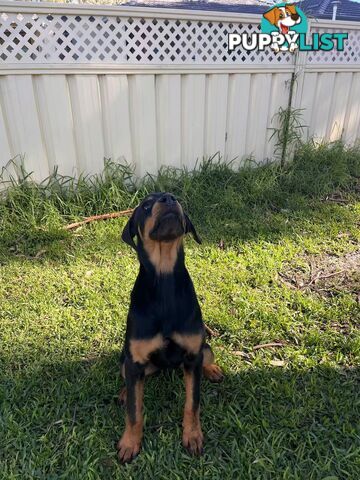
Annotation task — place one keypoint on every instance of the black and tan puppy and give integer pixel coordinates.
(164, 324)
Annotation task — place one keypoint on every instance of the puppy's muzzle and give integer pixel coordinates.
(170, 223)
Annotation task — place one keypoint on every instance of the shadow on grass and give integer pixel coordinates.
(62, 420)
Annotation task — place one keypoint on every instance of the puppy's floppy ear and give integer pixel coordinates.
(270, 16)
(129, 231)
(291, 8)
(189, 227)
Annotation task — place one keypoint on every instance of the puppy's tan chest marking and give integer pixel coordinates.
(142, 349)
(162, 255)
(189, 342)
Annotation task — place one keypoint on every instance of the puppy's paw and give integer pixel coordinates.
(128, 448)
(213, 373)
(193, 441)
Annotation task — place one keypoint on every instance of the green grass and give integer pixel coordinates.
(285, 413)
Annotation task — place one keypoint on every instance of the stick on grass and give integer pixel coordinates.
(268, 345)
(94, 218)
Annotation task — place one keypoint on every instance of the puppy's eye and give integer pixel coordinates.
(281, 15)
(147, 206)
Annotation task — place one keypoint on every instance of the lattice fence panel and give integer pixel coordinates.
(31, 38)
(61, 39)
(190, 41)
(68, 38)
(350, 54)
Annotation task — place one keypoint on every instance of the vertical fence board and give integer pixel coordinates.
(193, 119)
(216, 113)
(307, 101)
(258, 112)
(57, 122)
(5, 152)
(339, 101)
(168, 115)
(143, 123)
(21, 113)
(352, 121)
(322, 104)
(237, 117)
(86, 107)
(116, 117)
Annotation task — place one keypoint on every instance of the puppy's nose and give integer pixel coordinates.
(168, 199)
(295, 16)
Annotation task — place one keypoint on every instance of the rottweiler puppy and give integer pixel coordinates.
(164, 324)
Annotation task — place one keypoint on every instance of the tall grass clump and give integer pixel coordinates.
(219, 195)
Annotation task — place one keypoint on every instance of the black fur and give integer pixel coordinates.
(161, 303)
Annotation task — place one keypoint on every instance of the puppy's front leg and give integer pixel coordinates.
(192, 434)
(130, 443)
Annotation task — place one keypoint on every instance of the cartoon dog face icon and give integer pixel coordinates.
(283, 17)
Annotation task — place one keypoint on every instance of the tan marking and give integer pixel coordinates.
(191, 343)
(189, 387)
(129, 445)
(213, 373)
(192, 434)
(141, 349)
(162, 255)
(150, 221)
(149, 369)
(122, 396)
(208, 357)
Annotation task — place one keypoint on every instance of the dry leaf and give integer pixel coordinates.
(277, 363)
(239, 353)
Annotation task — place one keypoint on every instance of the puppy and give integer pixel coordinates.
(283, 17)
(164, 324)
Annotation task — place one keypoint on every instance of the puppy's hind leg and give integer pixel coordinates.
(211, 371)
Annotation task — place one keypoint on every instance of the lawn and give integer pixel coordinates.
(280, 262)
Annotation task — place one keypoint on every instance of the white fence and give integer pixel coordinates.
(157, 87)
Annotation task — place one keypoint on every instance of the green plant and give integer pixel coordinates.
(289, 132)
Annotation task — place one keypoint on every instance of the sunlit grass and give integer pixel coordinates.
(289, 412)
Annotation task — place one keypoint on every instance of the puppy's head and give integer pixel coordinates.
(158, 218)
(283, 17)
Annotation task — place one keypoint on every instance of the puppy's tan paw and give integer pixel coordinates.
(213, 373)
(193, 441)
(128, 448)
